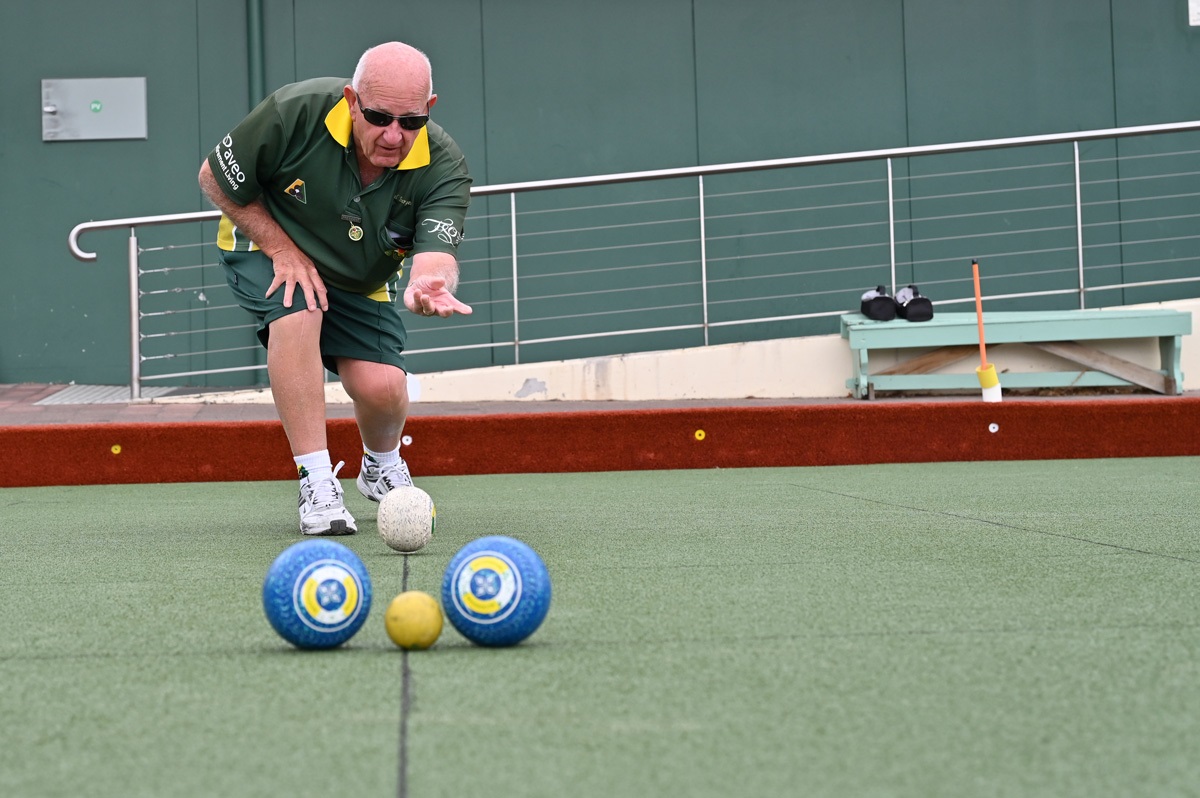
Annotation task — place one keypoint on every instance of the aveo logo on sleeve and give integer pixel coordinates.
(228, 164)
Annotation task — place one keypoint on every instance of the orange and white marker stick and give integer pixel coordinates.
(988, 381)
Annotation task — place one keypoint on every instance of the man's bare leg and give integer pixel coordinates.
(380, 395)
(298, 386)
(298, 379)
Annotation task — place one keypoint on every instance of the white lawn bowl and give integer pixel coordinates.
(406, 519)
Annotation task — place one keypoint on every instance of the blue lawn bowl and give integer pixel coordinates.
(317, 594)
(496, 591)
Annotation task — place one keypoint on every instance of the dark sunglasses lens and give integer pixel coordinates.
(376, 118)
(380, 119)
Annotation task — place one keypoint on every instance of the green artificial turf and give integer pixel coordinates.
(1014, 628)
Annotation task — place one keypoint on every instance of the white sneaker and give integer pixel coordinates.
(322, 511)
(374, 480)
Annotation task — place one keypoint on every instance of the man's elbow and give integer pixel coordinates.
(208, 184)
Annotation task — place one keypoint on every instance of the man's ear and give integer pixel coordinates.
(432, 100)
(349, 94)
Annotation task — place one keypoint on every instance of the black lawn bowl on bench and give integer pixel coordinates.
(952, 337)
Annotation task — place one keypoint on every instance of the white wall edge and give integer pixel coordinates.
(812, 367)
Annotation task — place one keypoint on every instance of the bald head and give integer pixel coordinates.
(392, 66)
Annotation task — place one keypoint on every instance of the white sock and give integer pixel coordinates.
(382, 458)
(314, 466)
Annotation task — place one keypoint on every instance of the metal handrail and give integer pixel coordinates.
(835, 158)
(132, 222)
(702, 171)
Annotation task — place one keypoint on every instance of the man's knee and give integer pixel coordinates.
(381, 384)
(298, 321)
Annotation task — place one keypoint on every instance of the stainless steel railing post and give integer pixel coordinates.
(512, 210)
(135, 322)
(891, 225)
(703, 262)
(1079, 228)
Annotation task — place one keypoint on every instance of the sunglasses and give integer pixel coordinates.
(380, 119)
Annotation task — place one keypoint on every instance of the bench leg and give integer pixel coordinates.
(858, 381)
(1169, 350)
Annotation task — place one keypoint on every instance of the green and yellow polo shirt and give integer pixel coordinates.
(294, 151)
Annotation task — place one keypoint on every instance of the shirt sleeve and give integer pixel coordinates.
(246, 158)
(443, 212)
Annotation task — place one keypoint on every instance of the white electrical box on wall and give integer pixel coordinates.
(1194, 13)
(78, 109)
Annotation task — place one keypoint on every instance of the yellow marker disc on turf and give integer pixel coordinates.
(699, 434)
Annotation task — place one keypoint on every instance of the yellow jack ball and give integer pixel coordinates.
(413, 620)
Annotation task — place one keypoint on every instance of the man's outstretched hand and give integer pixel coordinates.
(427, 296)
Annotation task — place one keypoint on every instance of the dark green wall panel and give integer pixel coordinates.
(777, 78)
(1157, 59)
(587, 88)
(982, 69)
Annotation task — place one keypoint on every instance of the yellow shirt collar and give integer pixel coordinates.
(340, 125)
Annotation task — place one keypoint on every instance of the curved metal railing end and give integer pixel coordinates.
(133, 221)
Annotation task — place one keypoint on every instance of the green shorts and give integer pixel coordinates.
(355, 326)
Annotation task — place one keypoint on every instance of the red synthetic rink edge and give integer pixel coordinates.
(623, 440)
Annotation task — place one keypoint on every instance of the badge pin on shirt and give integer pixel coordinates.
(355, 232)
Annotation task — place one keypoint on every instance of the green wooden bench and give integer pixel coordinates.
(952, 337)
